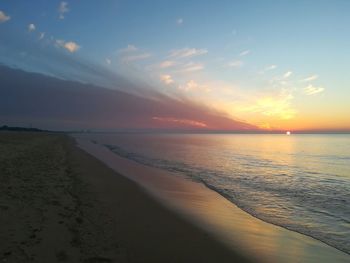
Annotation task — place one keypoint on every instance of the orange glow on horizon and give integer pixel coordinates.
(185, 122)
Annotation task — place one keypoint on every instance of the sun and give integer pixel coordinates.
(288, 133)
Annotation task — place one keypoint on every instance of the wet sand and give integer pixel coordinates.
(60, 204)
(260, 241)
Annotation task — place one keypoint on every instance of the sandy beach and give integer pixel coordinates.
(60, 204)
(72, 200)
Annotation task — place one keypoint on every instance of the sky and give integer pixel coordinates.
(270, 65)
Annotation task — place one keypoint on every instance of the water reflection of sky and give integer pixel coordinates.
(301, 182)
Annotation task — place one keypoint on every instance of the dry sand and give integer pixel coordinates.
(59, 204)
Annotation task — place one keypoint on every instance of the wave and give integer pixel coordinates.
(239, 190)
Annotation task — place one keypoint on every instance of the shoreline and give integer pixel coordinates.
(266, 221)
(213, 188)
(307, 244)
(60, 204)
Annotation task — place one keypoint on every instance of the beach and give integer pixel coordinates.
(205, 207)
(70, 199)
(60, 204)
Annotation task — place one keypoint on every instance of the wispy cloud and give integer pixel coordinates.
(31, 27)
(128, 48)
(167, 79)
(271, 67)
(41, 35)
(184, 122)
(244, 53)
(179, 21)
(311, 78)
(167, 64)
(4, 17)
(131, 53)
(70, 45)
(312, 90)
(187, 52)
(136, 57)
(267, 68)
(191, 66)
(283, 80)
(108, 61)
(194, 86)
(63, 9)
(235, 64)
(287, 74)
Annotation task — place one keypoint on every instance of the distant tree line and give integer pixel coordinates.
(9, 128)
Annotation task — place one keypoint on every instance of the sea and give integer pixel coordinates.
(300, 182)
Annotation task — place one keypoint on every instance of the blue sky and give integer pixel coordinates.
(275, 64)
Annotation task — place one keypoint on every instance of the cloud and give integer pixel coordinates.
(136, 57)
(311, 78)
(187, 52)
(244, 53)
(41, 35)
(70, 45)
(63, 9)
(129, 48)
(194, 86)
(108, 61)
(31, 27)
(192, 66)
(287, 74)
(167, 64)
(179, 21)
(267, 68)
(4, 17)
(271, 67)
(101, 108)
(235, 64)
(167, 79)
(311, 90)
(184, 122)
(281, 80)
(273, 105)
(130, 53)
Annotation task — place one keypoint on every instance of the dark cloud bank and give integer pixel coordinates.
(53, 103)
(57, 98)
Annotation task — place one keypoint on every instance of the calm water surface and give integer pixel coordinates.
(300, 182)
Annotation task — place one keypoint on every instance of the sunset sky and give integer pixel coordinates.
(275, 65)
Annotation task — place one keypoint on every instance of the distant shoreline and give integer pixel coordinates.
(166, 131)
(24, 129)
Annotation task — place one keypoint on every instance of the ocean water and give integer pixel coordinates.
(300, 182)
